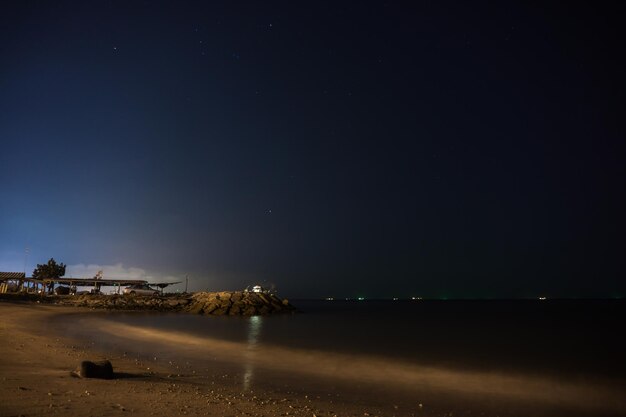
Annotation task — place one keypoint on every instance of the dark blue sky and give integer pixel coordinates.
(369, 148)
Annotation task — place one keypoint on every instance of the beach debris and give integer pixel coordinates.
(88, 369)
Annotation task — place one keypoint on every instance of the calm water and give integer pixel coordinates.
(553, 335)
(473, 346)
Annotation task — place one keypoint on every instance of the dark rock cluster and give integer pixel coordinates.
(233, 303)
(236, 303)
(88, 369)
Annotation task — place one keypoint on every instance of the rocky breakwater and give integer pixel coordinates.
(237, 303)
(233, 303)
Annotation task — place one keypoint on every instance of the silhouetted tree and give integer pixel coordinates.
(50, 270)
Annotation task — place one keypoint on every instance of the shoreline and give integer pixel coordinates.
(36, 361)
(36, 365)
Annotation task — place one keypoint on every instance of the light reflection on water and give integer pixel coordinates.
(255, 324)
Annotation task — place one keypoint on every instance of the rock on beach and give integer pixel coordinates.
(88, 369)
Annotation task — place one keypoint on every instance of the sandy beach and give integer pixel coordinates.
(36, 359)
(36, 365)
(36, 379)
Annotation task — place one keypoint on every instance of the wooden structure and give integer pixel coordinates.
(11, 281)
(17, 282)
(97, 283)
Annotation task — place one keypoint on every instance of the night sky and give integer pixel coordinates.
(376, 149)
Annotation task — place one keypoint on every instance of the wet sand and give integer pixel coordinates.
(35, 365)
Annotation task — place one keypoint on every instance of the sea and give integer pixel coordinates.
(560, 356)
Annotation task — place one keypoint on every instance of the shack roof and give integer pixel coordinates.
(11, 275)
(92, 281)
(82, 282)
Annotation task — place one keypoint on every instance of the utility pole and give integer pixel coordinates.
(186, 282)
(26, 251)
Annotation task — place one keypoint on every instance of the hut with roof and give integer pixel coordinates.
(11, 281)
